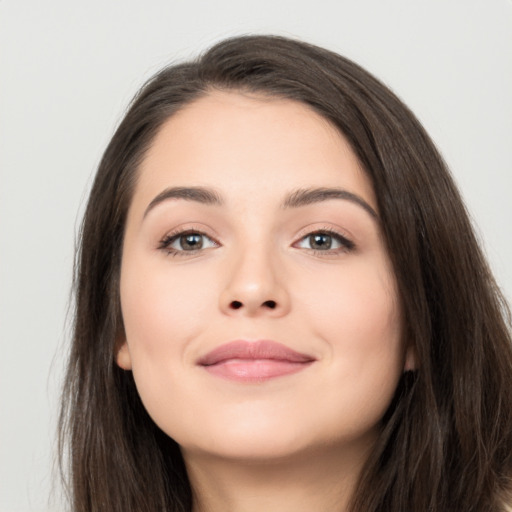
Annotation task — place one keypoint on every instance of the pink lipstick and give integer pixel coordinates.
(254, 361)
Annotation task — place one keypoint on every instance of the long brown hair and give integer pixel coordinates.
(446, 441)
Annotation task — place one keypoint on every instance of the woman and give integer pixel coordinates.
(280, 303)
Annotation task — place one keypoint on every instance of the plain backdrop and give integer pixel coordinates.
(67, 72)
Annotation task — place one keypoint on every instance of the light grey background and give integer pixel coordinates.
(68, 70)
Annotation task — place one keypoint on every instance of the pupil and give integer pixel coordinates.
(191, 241)
(320, 241)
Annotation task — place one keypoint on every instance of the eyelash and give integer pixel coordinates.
(168, 240)
(346, 244)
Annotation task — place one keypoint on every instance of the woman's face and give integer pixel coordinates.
(260, 309)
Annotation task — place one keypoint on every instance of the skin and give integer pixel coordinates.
(294, 442)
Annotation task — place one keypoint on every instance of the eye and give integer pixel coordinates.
(186, 241)
(325, 241)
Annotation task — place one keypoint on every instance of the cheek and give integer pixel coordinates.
(361, 302)
(160, 306)
(163, 312)
(358, 317)
(366, 316)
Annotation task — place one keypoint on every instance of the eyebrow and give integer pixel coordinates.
(305, 196)
(296, 199)
(201, 195)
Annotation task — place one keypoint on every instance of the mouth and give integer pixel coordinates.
(254, 361)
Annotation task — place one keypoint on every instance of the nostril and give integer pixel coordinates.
(270, 304)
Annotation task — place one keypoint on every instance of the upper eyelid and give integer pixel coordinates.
(191, 228)
(175, 236)
(322, 228)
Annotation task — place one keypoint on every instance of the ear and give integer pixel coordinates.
(410, 362)
(123, 358)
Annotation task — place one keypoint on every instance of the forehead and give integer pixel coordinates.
(240, 142)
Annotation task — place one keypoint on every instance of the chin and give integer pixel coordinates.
(255, 441)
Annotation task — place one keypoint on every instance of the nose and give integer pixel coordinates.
(255, 287)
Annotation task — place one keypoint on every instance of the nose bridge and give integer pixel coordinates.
(253, 283)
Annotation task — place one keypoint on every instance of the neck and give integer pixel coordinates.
(300, 483)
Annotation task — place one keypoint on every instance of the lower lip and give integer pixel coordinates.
(255, 370)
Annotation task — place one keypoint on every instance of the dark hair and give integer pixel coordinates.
(446, 441)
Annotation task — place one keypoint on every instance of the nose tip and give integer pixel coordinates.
(255, 285)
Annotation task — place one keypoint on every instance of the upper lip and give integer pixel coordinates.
(251, 350)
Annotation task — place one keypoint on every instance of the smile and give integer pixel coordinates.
(254, 361)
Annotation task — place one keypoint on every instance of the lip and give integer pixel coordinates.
(254, 361)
